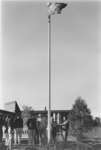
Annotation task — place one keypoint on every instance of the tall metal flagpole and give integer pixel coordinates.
(49, 50)
(53, 8)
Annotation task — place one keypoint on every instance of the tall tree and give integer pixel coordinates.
(80, 116)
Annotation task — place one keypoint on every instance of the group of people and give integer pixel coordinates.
(60, 128)
(10, 128)
(37, 129)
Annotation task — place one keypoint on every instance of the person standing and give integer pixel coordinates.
(42, 127)
(39, 119)
(65, 127)
(1, 131)
(18, 125)
(7, 126)
(31, 130)
(54, 130)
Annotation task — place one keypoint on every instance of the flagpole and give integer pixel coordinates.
(53, 8)
(49, 50)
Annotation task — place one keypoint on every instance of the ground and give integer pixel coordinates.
(92, 142)
(59, 146)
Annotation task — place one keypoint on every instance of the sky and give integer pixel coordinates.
(75, 50)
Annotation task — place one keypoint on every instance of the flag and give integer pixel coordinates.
(55, 7)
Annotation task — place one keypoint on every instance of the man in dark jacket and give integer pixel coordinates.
(32, 129)
(54, 130)
(18, 125)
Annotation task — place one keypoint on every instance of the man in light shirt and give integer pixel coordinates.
(65, 127)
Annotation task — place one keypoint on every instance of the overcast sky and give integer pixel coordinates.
(75, 55)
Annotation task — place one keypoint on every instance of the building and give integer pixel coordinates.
(12, 108)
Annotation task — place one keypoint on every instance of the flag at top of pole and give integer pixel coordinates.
(55, 8)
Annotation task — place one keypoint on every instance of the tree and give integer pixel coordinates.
(26, 114)
(80, 118)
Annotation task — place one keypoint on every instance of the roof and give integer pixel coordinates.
(12, 107)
